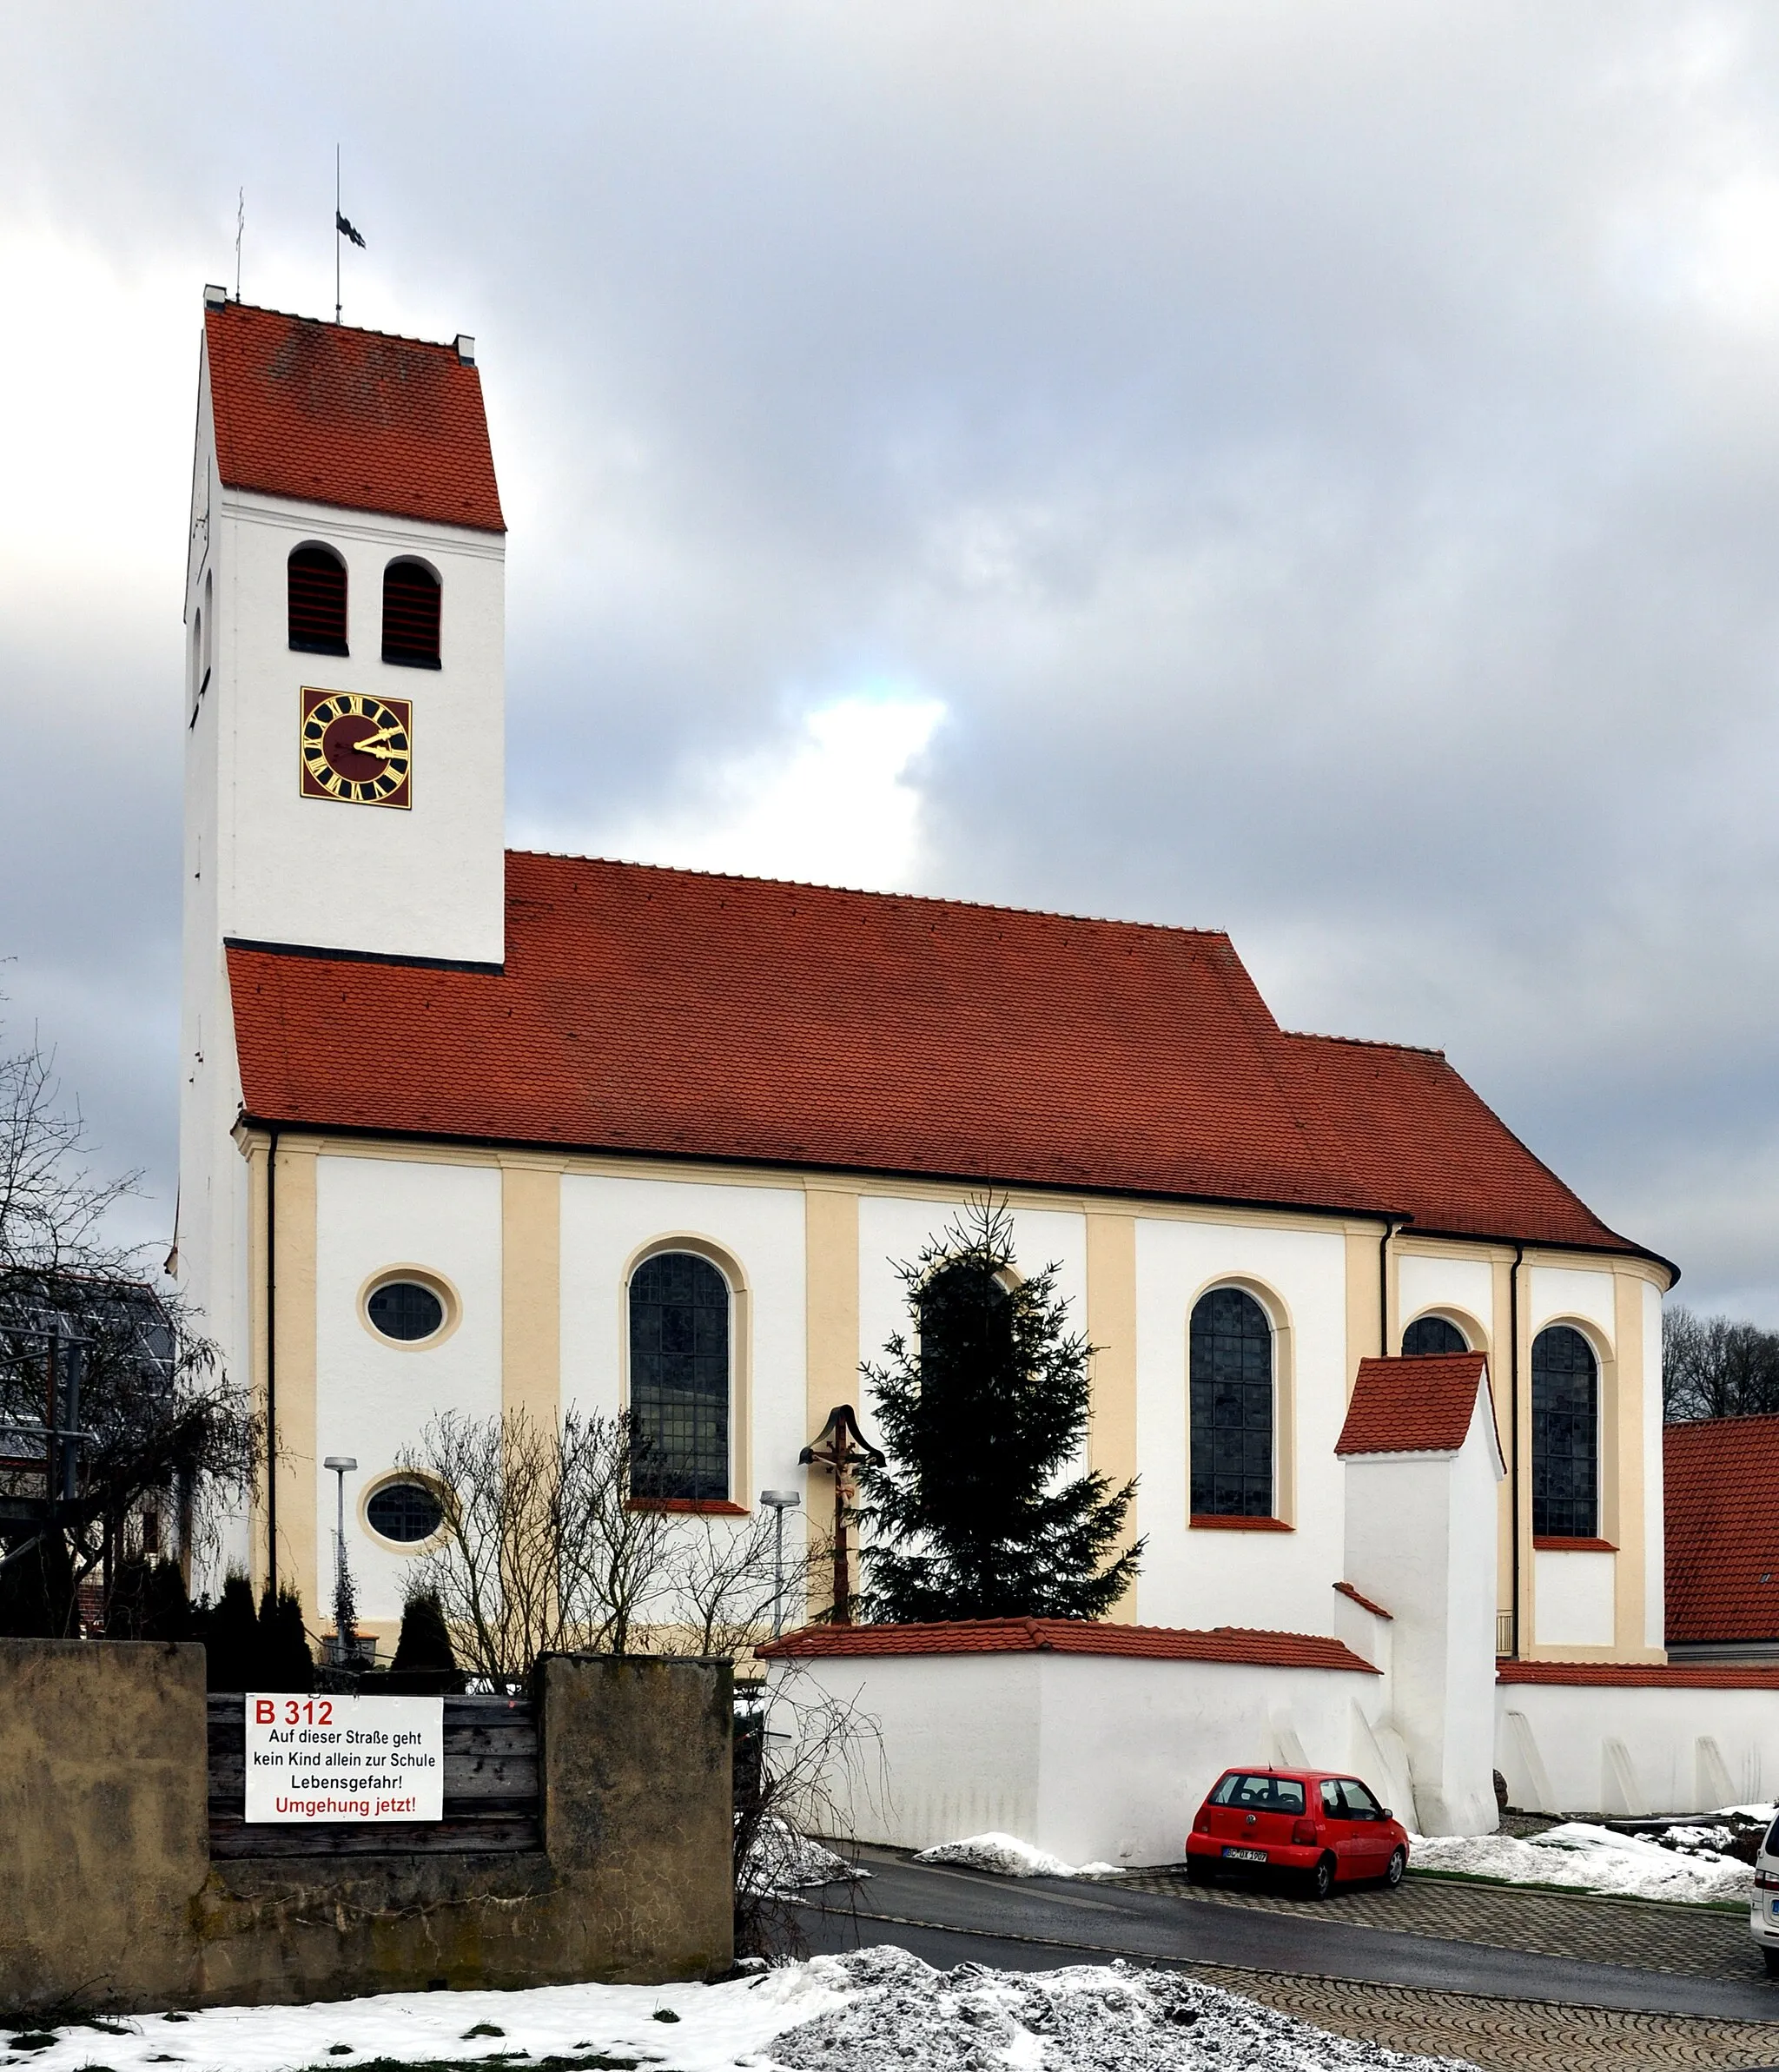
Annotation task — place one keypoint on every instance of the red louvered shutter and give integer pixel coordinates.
(411, 615)
(317, 601)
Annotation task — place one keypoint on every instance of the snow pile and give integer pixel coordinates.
(902, 2015)
(1010, 1858)
(878, 2010)
(781, 1860)
(1593, 1859)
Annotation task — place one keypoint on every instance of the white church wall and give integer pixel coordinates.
(1205, 1578)
(1560, 1293)
(1635, 1751)
(373, 1397)
(607, 1222)
(1095, 1758)
(429, 881)
(1573, 1593)
(1461, 1288)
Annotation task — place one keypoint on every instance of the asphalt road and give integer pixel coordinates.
(947, 1915)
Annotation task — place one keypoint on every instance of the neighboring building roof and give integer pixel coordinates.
(1721, 1482)
(1639, 1676)
(1420, 1405)
(677, 1013)
(331, 415)
(1243, 1644)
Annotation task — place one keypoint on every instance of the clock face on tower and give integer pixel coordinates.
(355, 749)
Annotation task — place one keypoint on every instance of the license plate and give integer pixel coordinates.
(1246, 1855)
(1772, 1904)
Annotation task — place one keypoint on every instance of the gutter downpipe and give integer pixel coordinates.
(272, 1366)
(1513, 1429)
(1392, 1225)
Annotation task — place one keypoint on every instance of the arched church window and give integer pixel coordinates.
(1432, 1334)
(411, 595)
(1566, 1435)
(679, 1378)
(1230, 1381)
(317, 601)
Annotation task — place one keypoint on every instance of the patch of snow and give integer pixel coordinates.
(781, 1860)
(875, 2010)
(1590, 1858)
(902, 2016)
(1007, 1856)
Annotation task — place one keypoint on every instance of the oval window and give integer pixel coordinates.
(405, 1510)
(407, 1310)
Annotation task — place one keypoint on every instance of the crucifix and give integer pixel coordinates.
(841, 1448)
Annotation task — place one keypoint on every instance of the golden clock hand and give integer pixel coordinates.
(382, 734)
(370, 746)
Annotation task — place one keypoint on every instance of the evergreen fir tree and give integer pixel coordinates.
(285, 1663)
(978, 1414)
(231, 1636)
(424, 1641)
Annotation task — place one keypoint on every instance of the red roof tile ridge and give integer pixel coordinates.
(1317, 1036)
(1360, 1598)
(1719, 1424)
(946, 899)
(295, 316)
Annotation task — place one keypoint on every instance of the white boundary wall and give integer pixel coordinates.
(1096, 1758)
(1635, 1750)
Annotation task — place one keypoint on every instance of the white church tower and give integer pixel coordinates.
(343, 704)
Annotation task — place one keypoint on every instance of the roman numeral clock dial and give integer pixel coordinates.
(357, 749)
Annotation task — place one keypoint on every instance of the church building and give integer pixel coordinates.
(469, 1128)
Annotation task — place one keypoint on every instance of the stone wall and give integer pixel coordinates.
(108, 1900)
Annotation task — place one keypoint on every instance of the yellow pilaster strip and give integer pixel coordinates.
(1111, 1326)
(531, 1291)
(1501, 1387)
(1363, 1326)
(831, 1352)
(294, 1210)
(1625, 1463)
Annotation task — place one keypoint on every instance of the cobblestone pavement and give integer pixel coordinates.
(1697, 1941)
(1508, 2035)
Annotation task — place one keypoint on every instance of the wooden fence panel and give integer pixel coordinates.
(491, 1791)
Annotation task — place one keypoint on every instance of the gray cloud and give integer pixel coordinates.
(1327, 463)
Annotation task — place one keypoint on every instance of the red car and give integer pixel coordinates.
(1320, 1827)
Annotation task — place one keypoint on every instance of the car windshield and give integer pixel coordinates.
(1258, 1791)
(1359, 1800)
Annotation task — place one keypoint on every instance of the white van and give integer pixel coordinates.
(1763, 1909)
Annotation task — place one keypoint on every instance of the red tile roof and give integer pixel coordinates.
(332, 415)
(1634, 1676)
(675, 1012)
(1721, 1482)
(1421, 1404)
(1244, 1644)
(1364, 1602)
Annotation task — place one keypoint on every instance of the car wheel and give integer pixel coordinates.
(1772, 1960)
(1319, 1882)
(1198, 1871)
(1398, 1863)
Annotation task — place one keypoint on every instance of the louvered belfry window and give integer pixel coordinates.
(411, 615)
(317, 601)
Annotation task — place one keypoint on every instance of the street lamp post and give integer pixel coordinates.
(340, 1465)
(779, 1501)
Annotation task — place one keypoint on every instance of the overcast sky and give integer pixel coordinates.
(1308, 470)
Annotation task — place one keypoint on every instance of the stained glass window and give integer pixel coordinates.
(1566, 1435)
(1432, 1335)
(1231, 1386)
(679, 1377)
